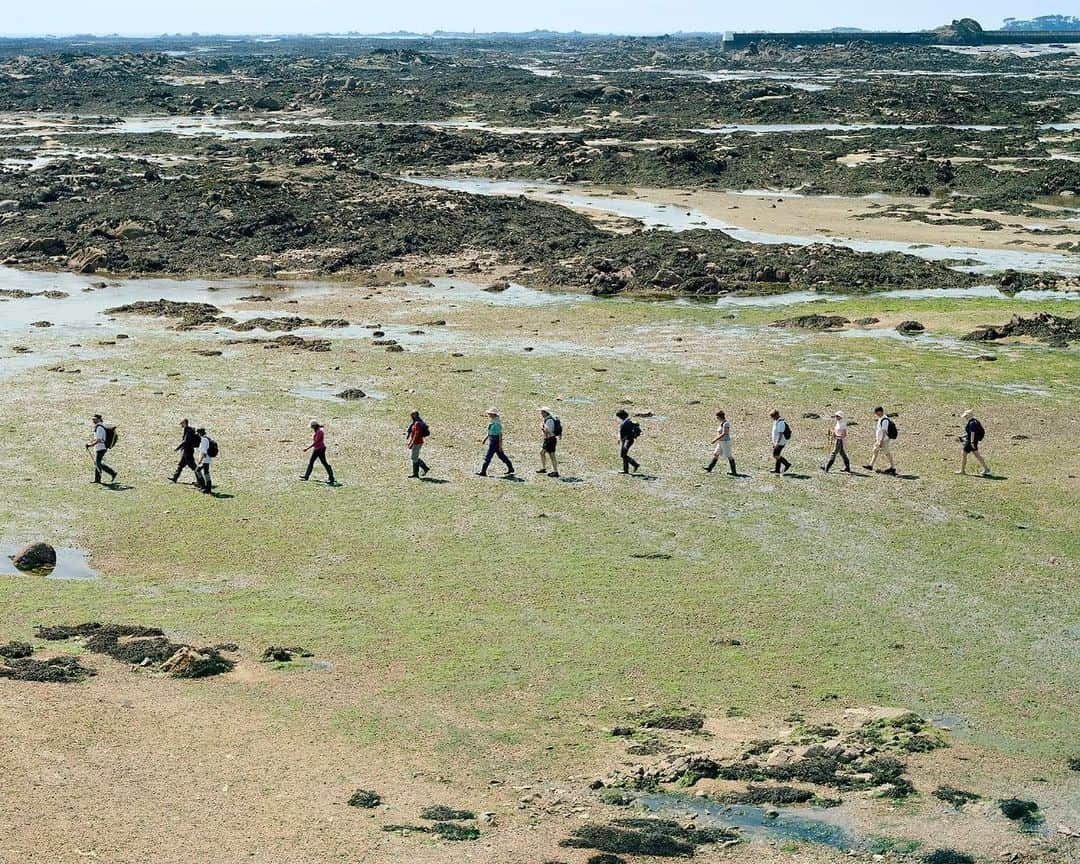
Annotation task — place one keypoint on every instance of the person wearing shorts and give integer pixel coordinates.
(549, 430)
(722, 442)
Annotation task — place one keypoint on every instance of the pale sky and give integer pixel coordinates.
(151, 17)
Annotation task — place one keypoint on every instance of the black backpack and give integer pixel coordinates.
(212, 448)
(787, 431)
(424, 429)
(978, 433)
(558, 426)
(890, 429)
(634, 430)
(111, 437)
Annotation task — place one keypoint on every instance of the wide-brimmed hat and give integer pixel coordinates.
(315, 424)
(492, 412)
(545, 410)
(967, 413)
(839, 415)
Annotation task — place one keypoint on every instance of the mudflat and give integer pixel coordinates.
(590, 668)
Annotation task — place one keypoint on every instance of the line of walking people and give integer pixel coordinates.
(198, 450)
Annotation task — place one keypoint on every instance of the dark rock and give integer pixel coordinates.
(813, 322)
(351, 394)
(909, 327)
(36, 556)
(56, 670)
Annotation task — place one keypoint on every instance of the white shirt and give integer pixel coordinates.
(723, 431)
(99, 438)
(882, 430)
(204, 450)
(840, 430)
(778, 432)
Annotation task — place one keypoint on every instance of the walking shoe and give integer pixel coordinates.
(423, 470)
(986, 473)
(173, 479)
(509, 473)
(733, 473)
(786, 469)
(541, 470)
(868, 467)
(303, 478)
(481, 474)
(554, 474)
(960, 472)
(823, 468)
(890, 471)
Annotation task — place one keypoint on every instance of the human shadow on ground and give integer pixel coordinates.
(512, 478)
(116, 487)
(438, 481)
(221, 496)
(991, 476)
(791, 475)
(570, 479)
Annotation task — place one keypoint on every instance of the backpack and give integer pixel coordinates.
(978, 433)
(890, 429)
(110, 436)
(558, 426)
(787, 431)
(634, 429)
(423, 429)
(212, 448)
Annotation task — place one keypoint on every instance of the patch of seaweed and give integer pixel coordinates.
(957, 797)
(661, 838)
(55, 670)
(365, 798)
(439, 813)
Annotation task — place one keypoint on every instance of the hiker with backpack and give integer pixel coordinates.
(723, 445)
(972, 437)
(551, 429)
(189, 441)
(629, 432)
(208, 451)
(838, 436)
(415, 436)
(494, 441)
(103, 439)
(781, 435)
(318, 452)
(885, 433)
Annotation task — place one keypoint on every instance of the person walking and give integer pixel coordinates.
(838, 435)
(972, 437)
(629, 432)
(722, 441)
(551, 430)
(884, 433)
(318, 452)
(189, 441)
(781, 435)
(208, 450)
(415, 436)
(99, 443)
(494, 441)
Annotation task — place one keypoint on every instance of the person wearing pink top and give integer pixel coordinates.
(318, 452)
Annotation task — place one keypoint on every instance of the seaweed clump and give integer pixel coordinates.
(55, 670)
(366, 799)
(439, 813)
(661, 838)
(957, 797)
(947, 856)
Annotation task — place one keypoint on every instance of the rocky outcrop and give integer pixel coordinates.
(36, 556)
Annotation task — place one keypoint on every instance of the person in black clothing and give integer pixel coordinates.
(186, 448)
(973, 434)
(628, 434)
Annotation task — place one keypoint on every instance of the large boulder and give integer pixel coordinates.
(36, 556)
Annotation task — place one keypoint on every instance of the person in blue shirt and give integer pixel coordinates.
(494, 441)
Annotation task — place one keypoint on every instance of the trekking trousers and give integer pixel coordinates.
(495, 449)
(187, 460)
(99, 466)
(319, 456)
(624, 453)
(838, 450)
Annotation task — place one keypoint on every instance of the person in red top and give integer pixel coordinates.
(318, 452)
(415, 435)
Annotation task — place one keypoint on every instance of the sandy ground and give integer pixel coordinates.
(836, 216)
